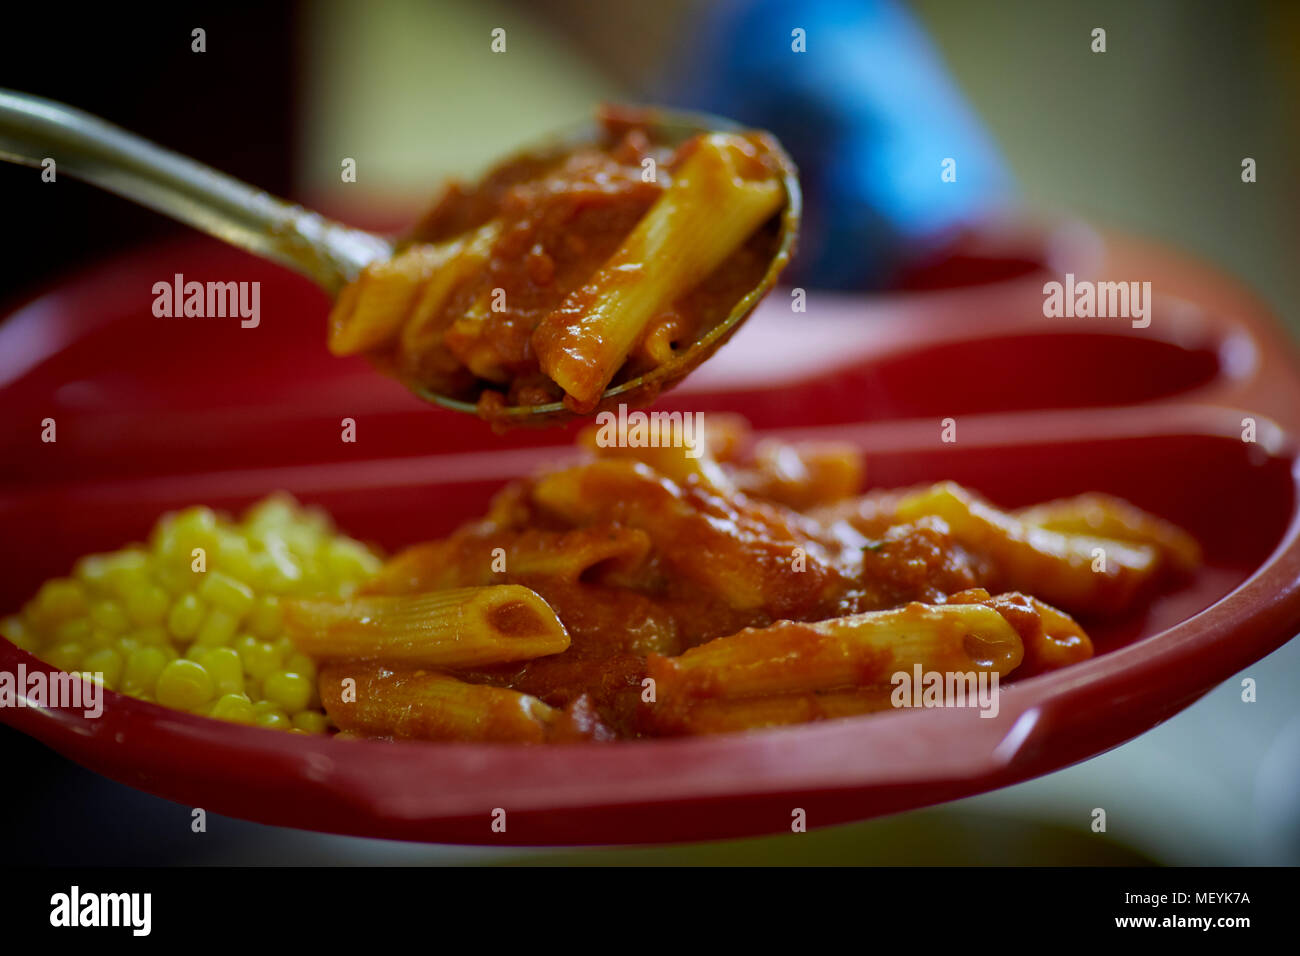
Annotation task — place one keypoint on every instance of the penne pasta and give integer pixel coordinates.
(802, 476)
(748, 557)
(675, 444)
(404, 703)
(1106, 516)
(718, 198)
(403, 298)
(370, 311)
(465, 627)
(859, 650)
(728, 434)
(567, 556)
(425, 567)
(425, 328)
(871, 514)
(1073, 570)
(466, 339)
(1057, 642)
(513, 557)
(1051, 638)
(658, 346)
(753, 713)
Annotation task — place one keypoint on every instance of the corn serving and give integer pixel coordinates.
(193, 619)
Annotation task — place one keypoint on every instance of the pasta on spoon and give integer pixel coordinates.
(565, 274)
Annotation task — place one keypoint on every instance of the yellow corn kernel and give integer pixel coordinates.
(176, 580)
(59, 600)
(92, 571)
(311, 721)
(99, 640)
(143, 665)
(184, 685)
(149, 636)
(147, 603)
(257, 575)
(233, 556)
(32, 619)
(128, 571)
(347, 559)
(233, 707)
(198, 525)
(281, 571)
(289, 690)
(162, 540)
(19, 633)
(66, 657)
(268, 715)
(314, 579)
(131, 558)
(186, 616)
(300, 664)
(273, 511)
(261, 659)
(222, 591)
(108, 615)
(266, 619)
(218, 629)
(226, 669)
(107, 662)
(298, 539)
(177, 535)
(76, 630)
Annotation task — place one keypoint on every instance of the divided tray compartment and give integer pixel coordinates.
(154, 414)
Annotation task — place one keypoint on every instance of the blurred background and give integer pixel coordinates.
(1147, 137)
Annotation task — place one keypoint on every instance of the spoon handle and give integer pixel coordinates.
(33, 130)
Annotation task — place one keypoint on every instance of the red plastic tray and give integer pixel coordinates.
(158, 413)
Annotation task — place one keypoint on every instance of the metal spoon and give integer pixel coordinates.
(33, 129)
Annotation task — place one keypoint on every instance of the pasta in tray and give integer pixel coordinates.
(567, 271)
(672, 593)
(672, 582)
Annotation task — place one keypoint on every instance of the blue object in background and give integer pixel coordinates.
(869, 114)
